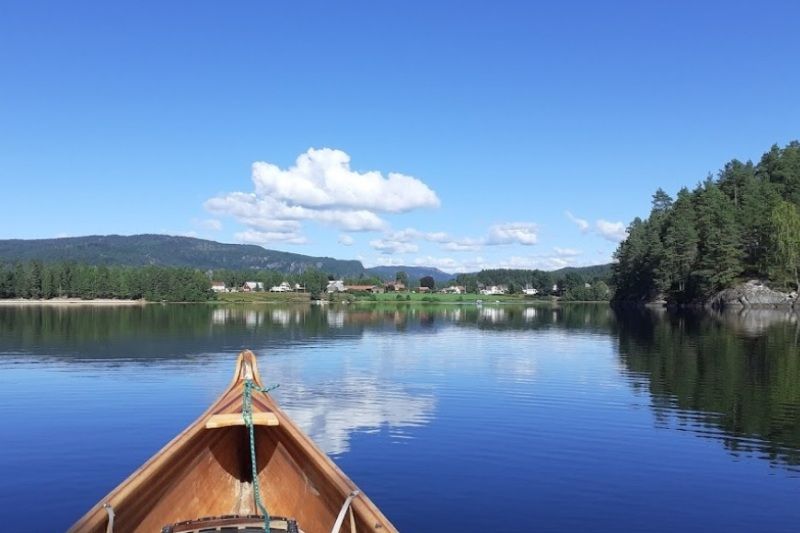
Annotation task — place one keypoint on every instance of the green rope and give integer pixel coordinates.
(247, 414)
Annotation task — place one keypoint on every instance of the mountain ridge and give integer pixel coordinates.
(172, 250)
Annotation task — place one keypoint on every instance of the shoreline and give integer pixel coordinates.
(71, 302)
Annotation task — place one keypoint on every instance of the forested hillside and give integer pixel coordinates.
(168, 250)
(742, 223)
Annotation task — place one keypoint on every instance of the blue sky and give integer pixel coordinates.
(460, 135)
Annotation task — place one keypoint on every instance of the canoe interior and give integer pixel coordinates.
(211, 476)
(207, 472)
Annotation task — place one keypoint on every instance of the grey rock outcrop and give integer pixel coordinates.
(754, 293)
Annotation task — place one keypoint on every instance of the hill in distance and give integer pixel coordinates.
(168, 250)
(414, 272)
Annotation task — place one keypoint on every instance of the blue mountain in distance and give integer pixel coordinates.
(413, 272)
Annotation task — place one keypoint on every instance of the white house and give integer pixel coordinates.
(530, 291)
(493, 290)
(283, 287)
(454, 289)
(218, 286)
(252, 286)
(336, 286)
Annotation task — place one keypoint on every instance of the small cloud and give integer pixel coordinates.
(405, 241)
(384, 260)
(392, 246)
(451, 265)
(513, 233)
(346, 239)
(582, 224)
(266, 237)
(463, 245)
(612, 231)
(566, 252)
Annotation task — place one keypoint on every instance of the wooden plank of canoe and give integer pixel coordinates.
(235, 419)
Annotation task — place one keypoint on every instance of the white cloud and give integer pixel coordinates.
(582, 223)
(446, 264)
(264, 237)
(383, 260)
(612, 231)
(265, 213)
(346, 239)
(566, 252)
(391, 246)
(453, 265)
(463, 245)
(323, 178)
(404, 241)
(320, 187)
(513, 233)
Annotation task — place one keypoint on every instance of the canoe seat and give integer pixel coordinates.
(235, 419)
(233, 523)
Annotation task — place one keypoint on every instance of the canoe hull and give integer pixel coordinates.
(206, 472)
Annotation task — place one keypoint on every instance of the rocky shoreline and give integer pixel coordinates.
(754, 293)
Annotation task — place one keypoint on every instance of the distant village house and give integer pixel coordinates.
(394, 286)
(218, 286)
(454, 289)
(494, 290)
(252, 286)
(374, 289)
(335, 286)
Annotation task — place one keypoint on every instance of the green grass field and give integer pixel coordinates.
(262, 297)
(440, 298)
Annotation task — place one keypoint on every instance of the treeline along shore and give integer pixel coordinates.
(62, 282)
(741, 224)
(35, 280)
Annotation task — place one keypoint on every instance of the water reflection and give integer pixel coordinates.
(330, 412)
(732, 377)
(568, 418)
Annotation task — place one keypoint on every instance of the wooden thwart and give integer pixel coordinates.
(236, 419)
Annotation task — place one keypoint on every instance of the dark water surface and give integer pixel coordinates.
(457, 418)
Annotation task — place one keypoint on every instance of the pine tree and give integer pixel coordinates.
(720, 252)
(786, 239)
(680, 242)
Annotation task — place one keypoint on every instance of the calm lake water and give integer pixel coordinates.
(451, 418)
